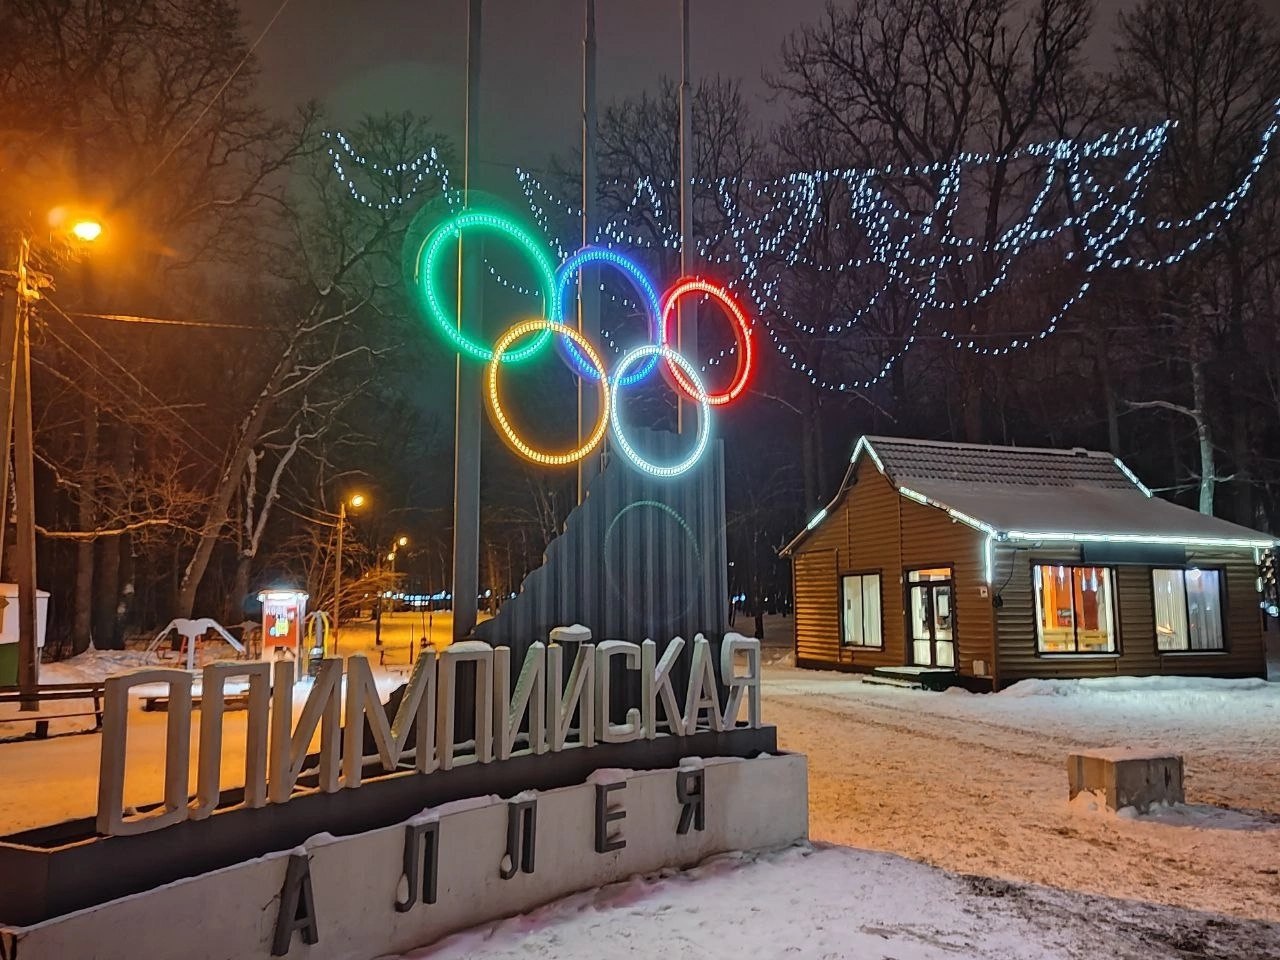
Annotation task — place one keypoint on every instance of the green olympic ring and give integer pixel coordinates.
(427, 279)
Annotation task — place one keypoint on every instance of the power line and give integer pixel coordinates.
(137, 404)
(163, 321)
(128, 373)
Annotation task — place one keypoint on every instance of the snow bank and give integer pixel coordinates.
(1126, 685)
(94, 666)
(843, 903)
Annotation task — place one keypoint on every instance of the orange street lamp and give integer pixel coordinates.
(86, 230)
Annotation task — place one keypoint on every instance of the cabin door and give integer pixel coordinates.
(931, 618)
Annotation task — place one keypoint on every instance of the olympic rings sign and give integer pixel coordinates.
(555, 286)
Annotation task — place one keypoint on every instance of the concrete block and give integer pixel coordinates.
(1126, 778)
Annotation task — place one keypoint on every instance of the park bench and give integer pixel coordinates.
(53, 692)
(230, 701)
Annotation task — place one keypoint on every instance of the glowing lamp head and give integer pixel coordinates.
(391, 555)
(86, 231)
(357, 500)
(402, 542)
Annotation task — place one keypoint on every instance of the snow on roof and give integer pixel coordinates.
(1031, 493)
(908, 460)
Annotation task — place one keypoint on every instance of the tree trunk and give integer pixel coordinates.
(229, 482)
(1208, 475)
(239, 589)
(86, 516)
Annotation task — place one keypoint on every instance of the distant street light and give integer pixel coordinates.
(355, 501)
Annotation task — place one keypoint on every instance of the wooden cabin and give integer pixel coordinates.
(980, 566)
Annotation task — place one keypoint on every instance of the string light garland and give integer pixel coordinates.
(904, 222)
(498, 416)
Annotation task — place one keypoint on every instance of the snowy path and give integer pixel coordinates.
(838, 903)
(978, 785)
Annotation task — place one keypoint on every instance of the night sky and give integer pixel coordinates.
(378, 55)
(370, 56)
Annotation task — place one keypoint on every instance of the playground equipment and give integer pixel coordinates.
(192, 632)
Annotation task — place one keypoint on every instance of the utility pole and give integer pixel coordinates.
(466, 450)
(589, 276)
(15, 419)
(686, 308)
(16, 295)
(337, 574)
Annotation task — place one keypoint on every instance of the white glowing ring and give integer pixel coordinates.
(699, 393)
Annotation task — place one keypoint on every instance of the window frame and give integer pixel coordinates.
(845, 644)
(1223, 607)
(1113, 612)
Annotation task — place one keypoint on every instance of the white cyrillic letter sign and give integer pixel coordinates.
(702, 694)
(630, 729)
(749, 681)
(481, 654)
(115, 740)
(579, 693)
(213, 705)
(530, 695)
(289, 744)
(656, 683)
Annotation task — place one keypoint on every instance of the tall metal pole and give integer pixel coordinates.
(466, 453)
(24, 488)
(337, 575)
(15, 299)
(686, 309)
(589, 278)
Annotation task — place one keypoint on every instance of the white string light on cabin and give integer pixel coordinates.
(766, 228)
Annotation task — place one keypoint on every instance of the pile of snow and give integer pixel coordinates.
(1128, 685)
(839, 902)
(94, 666)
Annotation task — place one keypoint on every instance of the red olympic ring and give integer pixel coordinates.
(742, 331)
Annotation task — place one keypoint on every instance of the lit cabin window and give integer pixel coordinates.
(1075, 609)
(1188, 605)
(861, 625)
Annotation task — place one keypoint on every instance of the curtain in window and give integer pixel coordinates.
(1204, 618)
(871, 610)
(1171, 609)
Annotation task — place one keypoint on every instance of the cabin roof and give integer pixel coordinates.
(1035, 494)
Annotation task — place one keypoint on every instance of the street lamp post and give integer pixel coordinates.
(391, 559)
(16, 424)
(357, 501)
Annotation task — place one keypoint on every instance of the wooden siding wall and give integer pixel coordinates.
(1016, 622)
(931, 538)
(876, 530)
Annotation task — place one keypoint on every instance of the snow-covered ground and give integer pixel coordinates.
(834, 902)
(978, 784)
(972, 784)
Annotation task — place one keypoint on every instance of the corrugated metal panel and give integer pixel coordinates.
(931, 538)
(641, 557)
(1016, 621)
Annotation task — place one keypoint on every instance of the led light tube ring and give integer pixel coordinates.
(742, 331)
(699, 394)
(442, 239)
(646, 294)
(499, 417)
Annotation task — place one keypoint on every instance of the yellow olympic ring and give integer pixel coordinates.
(499, 418)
